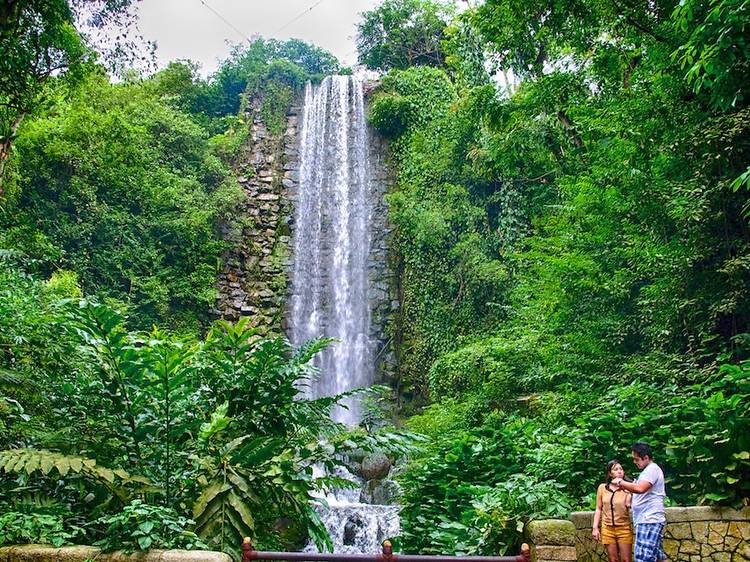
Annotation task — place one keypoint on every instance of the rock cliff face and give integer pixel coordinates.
(254, 281)
(384, 303)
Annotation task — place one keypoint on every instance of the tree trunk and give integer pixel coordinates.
(6, 146)
(568, 126)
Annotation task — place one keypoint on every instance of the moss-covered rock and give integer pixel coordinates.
(375, 466)
(553, 532)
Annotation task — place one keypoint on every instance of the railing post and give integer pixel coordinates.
(247, 548)
(387, 551)
(525, 555)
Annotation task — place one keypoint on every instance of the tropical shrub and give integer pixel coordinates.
(140, 526)
(123, 190)
(215, 429)
(34, 528)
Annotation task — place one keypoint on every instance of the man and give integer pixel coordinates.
(648, 505)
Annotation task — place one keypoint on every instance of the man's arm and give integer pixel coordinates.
(636, 487)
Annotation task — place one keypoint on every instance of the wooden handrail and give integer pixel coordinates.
(387, 555)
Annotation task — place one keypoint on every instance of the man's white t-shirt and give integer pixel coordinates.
(649, 507)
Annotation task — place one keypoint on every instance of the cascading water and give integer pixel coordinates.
(330, 283)
(332, 238)
(356, 527)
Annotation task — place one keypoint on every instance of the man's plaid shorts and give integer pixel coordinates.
(648, 542)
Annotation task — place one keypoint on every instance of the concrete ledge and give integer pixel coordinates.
(45, 553)
(585, 519)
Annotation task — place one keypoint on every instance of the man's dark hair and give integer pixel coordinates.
(642, 449)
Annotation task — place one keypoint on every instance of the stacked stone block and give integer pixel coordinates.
(551, 540)
(692, 534)
(253, 282)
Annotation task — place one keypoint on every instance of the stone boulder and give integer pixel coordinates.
(375, 466)
(381, 492)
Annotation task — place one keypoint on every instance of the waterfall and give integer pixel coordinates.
(332, 238)
(356, 527)
(330, 280)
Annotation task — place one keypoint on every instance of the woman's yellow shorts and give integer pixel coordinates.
(617, 534)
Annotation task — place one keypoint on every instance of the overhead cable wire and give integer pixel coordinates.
(291, 21)
(226, 21)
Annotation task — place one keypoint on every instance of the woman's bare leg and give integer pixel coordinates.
(626, 552)
(612, 553)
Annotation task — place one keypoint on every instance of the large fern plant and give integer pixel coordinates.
(218, 429)
(118, 482)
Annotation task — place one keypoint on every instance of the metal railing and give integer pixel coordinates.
(387, 555)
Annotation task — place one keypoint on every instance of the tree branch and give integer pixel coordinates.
(638, 25)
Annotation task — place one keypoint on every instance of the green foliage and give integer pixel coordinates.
(529, 34)
(216, 429)
(390, 114)
(465, 55)
(34, 528)
(399, 34)
(30, 461)
(702, 430)
(39, 44)
(500, 513)
(125, 192)
(444, 230)
(546, 444)
(496, 368)
(441, 487)
(127, 184)
(276, 101)
(569, 249)
(572, 253)
(716, 54)
(141, 526)
(253, 68)
(222, 512)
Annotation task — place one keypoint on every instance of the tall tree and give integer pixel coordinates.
(40, 39)
(403, 33)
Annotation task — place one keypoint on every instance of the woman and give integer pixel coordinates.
(614, 505)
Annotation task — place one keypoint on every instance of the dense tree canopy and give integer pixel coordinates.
(569, 254)
(570, 204)
(44, 38)
(402, 33)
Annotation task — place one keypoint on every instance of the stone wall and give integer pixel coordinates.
(384, 302)
(693, 534)
(45, 553)
(253, 281)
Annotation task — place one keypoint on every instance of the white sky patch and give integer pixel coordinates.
(187, 29)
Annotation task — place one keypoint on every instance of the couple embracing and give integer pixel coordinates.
(617, 497)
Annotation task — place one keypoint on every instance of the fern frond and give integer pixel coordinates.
(12, 379)
(45, 462)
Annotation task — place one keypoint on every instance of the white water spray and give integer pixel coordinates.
(332, 239)
(330, 280)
